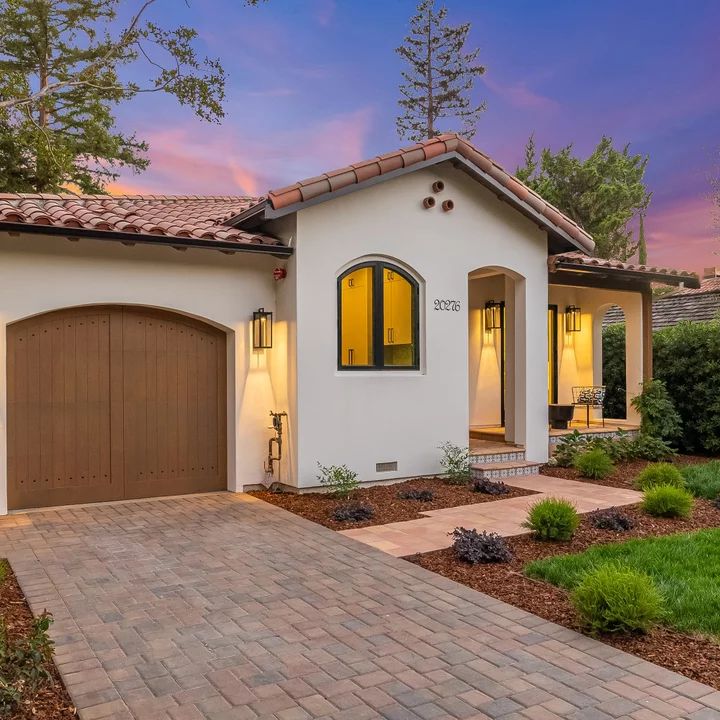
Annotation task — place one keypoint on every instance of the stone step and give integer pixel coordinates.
(496, 455)
(503, 470)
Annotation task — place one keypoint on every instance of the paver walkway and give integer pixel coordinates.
(504, 517)
(221, 606)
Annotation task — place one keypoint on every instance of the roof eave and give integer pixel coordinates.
(691, 281)
(139, 239)
(271, 213)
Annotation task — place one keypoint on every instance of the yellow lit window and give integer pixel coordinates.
(378, 318)
(356, 302)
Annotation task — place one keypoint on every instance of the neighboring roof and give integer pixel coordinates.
(439, 149)
(708, 285)
(674, 308)
(574, 261)
(175, 220)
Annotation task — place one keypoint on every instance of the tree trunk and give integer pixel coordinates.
(430, 106)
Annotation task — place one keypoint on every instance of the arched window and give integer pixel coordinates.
(377, 318)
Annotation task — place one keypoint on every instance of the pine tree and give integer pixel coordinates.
(440, 78)
(61, 80)
(642, 244)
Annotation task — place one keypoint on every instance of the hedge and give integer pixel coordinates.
(687, 358)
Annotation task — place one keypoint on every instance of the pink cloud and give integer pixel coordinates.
(683, 234)
(223, 161)
(519, 95)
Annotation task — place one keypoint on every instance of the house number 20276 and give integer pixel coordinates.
(447, 305)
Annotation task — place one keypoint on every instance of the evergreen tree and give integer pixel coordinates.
(440, 77)
(602, 193)
(61, 79)
(642, 244)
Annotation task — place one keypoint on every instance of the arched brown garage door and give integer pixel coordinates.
(106, 403)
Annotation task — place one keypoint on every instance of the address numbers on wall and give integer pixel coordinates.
(447, 305)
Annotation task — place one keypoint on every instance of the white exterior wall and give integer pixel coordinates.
(39, 274)
(361, 418)
(580, 354)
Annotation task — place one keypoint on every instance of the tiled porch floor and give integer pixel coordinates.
(501, 516)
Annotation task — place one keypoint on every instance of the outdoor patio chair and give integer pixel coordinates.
(591, 396)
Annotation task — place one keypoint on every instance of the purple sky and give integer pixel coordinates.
(313, 86)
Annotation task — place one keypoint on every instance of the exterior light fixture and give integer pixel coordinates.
(493, 315)
(572, 319)
(262, 329)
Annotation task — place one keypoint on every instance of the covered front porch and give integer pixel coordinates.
(581, 290)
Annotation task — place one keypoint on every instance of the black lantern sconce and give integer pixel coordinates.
(493, 315)
(262, 329)
(572, 319)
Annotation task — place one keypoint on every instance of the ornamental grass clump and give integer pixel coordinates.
(703, 480)
(594, 464)
(552, 519)
(659, 474)
(474, 547)
(616, 599)
(667, 501)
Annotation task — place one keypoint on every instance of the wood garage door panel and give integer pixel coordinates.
(174, 410)
(108, 403)
(59, 410)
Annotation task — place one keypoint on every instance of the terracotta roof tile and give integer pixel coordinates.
(557, 262)
(682, 305)
(360, 172)
(150, 215)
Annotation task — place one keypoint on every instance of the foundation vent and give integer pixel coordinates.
(386, 466)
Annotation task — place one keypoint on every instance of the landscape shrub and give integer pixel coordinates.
(614, 599)
(658, 416)
(352, 512)
(568, 448)
(456, 463)
(489, 487)
(415, 494)
(474, 547)
(659, 474)
(613, 356)
(552, 519)
(686, 357)
(647, 447)
(667, 501)
(620, 448)
(595, 464)
(24, 663)
(610, 519)
(338, 479)
(703, 480)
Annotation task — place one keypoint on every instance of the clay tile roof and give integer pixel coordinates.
(569, 260)
(150, 215)
(437, 147)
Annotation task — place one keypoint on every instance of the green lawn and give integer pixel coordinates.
(703, 480)
(685, 567)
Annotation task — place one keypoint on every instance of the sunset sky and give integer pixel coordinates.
(313, 86)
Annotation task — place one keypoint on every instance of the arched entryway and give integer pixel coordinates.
(114, 402)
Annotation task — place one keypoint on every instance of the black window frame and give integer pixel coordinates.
(378, 318)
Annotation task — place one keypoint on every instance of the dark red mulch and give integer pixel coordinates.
(384, 499)
(696, 657)
(625, 473)
(52, 702)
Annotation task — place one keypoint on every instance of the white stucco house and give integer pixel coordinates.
(414, 296)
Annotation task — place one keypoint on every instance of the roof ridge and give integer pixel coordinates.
(359, 172)
(128, 196)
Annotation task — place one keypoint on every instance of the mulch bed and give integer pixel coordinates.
(52, 701)
(696, 657)
(624, 475)
(384, 499)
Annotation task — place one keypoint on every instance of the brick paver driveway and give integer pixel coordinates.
(220, 606)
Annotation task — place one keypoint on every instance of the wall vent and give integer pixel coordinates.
(386, 466)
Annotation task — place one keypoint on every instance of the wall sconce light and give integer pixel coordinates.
(572, 319)
(493, 315)
(262, 329)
